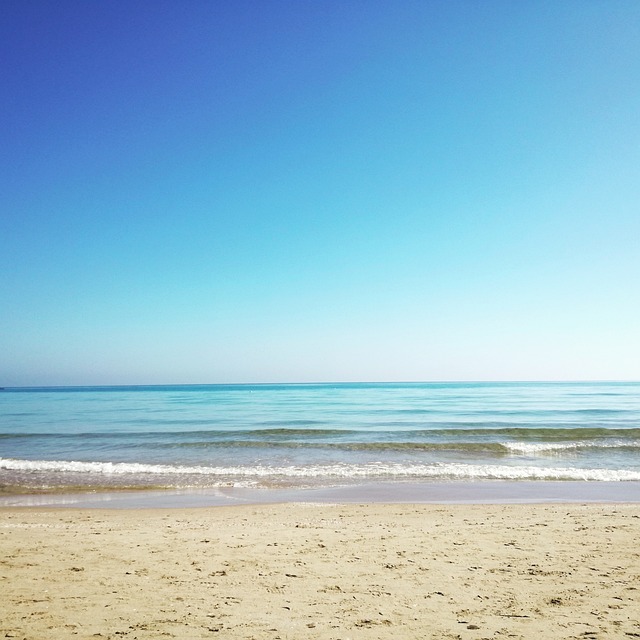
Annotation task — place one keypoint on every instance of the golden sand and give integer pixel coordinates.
(322, 571)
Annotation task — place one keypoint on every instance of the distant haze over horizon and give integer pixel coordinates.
(328, 383)
(343, 190)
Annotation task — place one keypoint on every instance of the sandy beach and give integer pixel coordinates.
(322, 571)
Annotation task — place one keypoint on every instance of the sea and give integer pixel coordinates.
(291, 437)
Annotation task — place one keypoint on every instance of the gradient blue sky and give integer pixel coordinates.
(233, 191)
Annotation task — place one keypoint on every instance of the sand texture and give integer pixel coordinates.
(322, 571)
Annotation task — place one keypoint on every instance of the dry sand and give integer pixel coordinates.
(322, 571)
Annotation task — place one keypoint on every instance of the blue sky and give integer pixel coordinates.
(319, 191)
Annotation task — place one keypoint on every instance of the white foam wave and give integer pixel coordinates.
(532, 448)
(352, 471)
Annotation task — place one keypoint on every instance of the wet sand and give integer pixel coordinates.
(309, 570)
(487, 492)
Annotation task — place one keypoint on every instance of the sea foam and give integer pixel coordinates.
(381, 471)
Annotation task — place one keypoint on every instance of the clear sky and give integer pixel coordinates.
(327, 190)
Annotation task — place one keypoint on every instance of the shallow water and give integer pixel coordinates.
(320, 435)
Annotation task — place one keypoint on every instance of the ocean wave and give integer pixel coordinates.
(495, 448)
(441, 471)
(381, 447)
(541, 433)
(498, 449)
(462, 430)
(533, 448)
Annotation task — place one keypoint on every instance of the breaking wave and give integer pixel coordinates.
(345, 471)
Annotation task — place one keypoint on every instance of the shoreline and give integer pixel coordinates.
(322, 571)
(479, 492)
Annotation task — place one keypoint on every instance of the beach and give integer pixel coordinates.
(329, 511)
(312, 570)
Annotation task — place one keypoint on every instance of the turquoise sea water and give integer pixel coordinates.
(319, 435)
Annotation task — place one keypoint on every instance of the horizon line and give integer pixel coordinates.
(315, 383)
